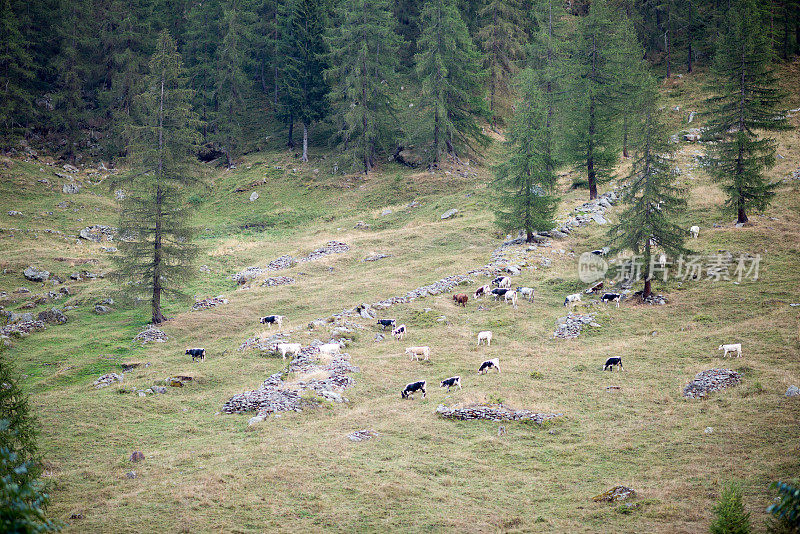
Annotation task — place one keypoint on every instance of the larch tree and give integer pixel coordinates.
(651, 197)
(525, 181)
(157, 249)
(449, 68)
(362, 74)
(502, 37)
(745, 102)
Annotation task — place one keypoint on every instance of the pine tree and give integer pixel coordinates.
(16, 71)
(746, 99)
(502, 38)
(303, 86)
(449, 68)
(593, 116)
(730, 516)
(21, 431)
(363, 69)
(202, 38)
(232, 85)
(651, 197)
(156, 253)
(526, 180)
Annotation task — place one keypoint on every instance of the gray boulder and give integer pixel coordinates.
(52, 316)
(159, 389)
(449, 213)
(253, 196)
(793, 391)
(598, 218)
(35, 275)
(71, 189)
(99, 309)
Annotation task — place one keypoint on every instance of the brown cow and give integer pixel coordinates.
(461, 298)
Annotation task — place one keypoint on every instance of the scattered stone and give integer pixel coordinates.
(209, 303)
(385, 212)
(99, 309)
(362, 435)
(159, 389)
(71, 188)
(655, 300)
(256, 419)
(361, 225)
(22, 328)
(52, 316)
(277, 281)
(178, 381)
(131, 366)
(119, 194)
(793, 391)
(708, 430)
(97, 232)
(35, 275)
(107, 380)
(493, 412)
(376, 257)
(253, 196)
(14, 213)
(136, 456)
(709, 381)
(570, 326)
(151, 335)
(130, 475)
(615, 494)
(70, 168)
(109, 250)
(449, 213)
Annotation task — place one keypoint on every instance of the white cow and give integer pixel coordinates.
(572, 299)
(486, 336)
(733, 347)
(512, 296)
(330, 348)
(416, 352)
(285, 348)
(695, 231)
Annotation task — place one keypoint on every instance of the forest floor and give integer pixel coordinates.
(207, 471)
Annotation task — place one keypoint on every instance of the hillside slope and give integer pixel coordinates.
(208, 471)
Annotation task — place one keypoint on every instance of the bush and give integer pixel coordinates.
(787, 511)
(730, 515)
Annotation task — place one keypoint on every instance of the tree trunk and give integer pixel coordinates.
(436, 135)
(290, 142)
(591, 174)
(305, 142)
(158, 317)
(741, 215)
(625, 137)
(647, 289)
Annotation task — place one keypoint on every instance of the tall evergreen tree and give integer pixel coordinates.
(526, 180)
(303, 85)
(157, 252)
(449, 68)
(652, 199)
(363, 68)
(203, 34)
(746, 99)
(502, 37)
(592, 112)
(16, 71)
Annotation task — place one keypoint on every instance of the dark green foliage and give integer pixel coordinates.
(449, 68)
(362, 75)
(20, 433)
(200, 53)
(787, 511)
(16, 71)
(526, 180)
(746, 99)
(651, 197)
(730, 516)
(157, 251)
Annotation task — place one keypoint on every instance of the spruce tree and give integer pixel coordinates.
(730, 516)
(526, 180)
(502, 37)
(746, 99)
(362, 75)
(203, 34)
(157, 250)
(449, 67)
(16, 71)
(651, 197)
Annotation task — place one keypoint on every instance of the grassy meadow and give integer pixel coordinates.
(206, 471)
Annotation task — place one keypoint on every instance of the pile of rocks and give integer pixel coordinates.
(277, 281)
(265, 344)
(209, 303)
(97, 232)
(615, 494)
(362, 435)
(570, 326)
(589, 212)
(711, 380)
(35, 275)
(655, 300)
(331, 247)
(151, 335)
(22, 328)
(493, 412)
(52, 316)
(286, 261)
(107, 380)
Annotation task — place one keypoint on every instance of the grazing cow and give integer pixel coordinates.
(611, 297)
(399, 332)
(526, 292)
(460, 298)
(496, 281)
(595, 288)
(601, 251)
(451, 383)
(694, 231)
(733, 347)
(273, 319)
(488, 364)
(330, 348)
(611, 362)
(486, 336)
(197, 354)
(386, 322)
(412, 388)
(498, 292)
(512, 296)
(416, 352)
(504, 282)
(285, 348)
(572, 299)
(481, 291)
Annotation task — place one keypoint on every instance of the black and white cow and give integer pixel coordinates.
(386, 323)
(611, 297)
(412, 388)
(451, 382)
(273, 319)
(399, 332)
(499, 292)
(611, 362)
(489, 364)
(196, 354)
(482, 291)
